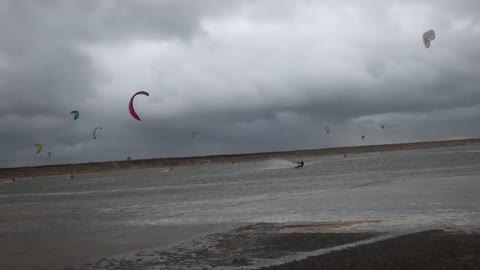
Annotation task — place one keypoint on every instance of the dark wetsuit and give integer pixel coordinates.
(300, 164)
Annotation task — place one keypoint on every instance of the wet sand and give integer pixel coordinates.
(270, 246)
(435, 249)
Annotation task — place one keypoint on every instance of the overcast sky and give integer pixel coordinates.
(248, 76)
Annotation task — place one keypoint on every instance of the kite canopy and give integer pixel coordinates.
(75, 114)
(427, 37)
(39, 147)
(327, 129)
(95, 132)
(130, 104)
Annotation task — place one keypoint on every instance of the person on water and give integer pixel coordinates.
(300, 164)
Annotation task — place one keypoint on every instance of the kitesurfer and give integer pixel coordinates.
(300, 164)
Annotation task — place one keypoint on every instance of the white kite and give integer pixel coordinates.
(427, 37)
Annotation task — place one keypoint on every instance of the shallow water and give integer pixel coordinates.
(52, 221)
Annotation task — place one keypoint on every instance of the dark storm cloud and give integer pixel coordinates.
(247, 75)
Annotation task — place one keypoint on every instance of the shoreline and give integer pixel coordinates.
(112, 166)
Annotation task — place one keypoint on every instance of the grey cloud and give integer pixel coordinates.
(106, 20)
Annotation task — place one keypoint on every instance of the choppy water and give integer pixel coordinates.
(103, 214)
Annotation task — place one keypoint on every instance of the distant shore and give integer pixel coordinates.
(106, 166)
